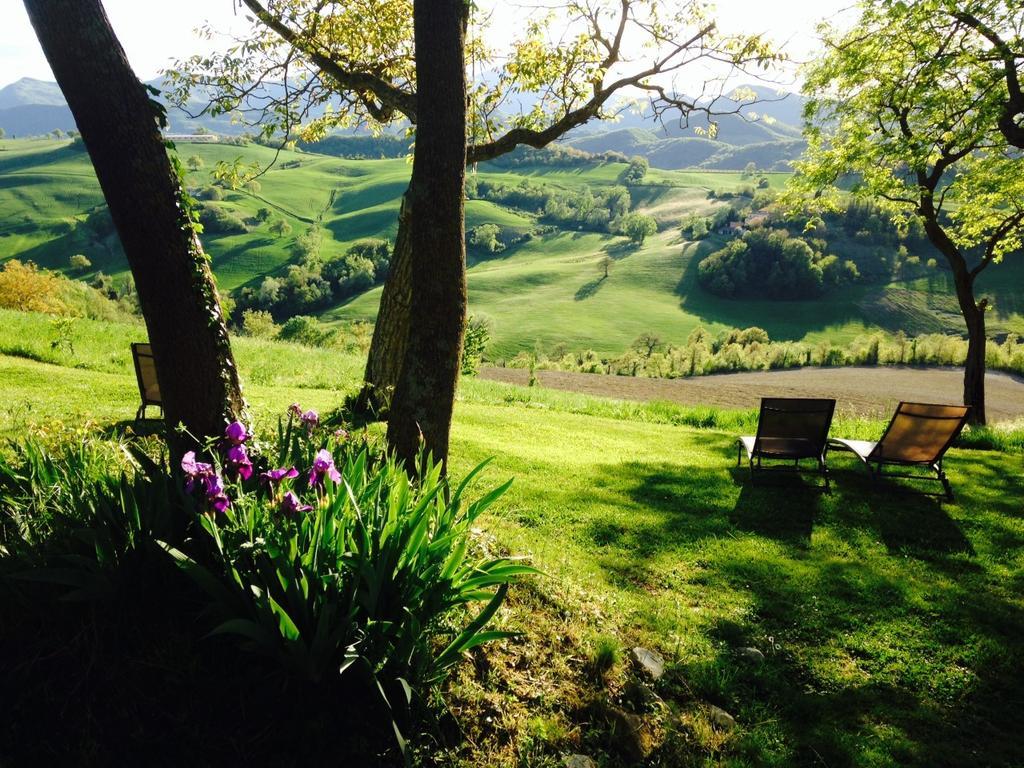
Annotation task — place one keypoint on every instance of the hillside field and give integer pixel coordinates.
(545, 291)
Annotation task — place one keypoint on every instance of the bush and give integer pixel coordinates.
(79, 263)
(305, 330)
(28, 288)
(485, 239)
(478, 334)
(259, 324)
(637, 227)
(337, 572)
(217, 220)
(635, 171)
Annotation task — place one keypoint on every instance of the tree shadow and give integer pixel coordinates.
(589, 289)
(620, 249)
(907, 520)
(780, 506)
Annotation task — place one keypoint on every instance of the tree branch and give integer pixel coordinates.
(391, 98)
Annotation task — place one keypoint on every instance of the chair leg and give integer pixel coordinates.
(141, 413)
(945, 481)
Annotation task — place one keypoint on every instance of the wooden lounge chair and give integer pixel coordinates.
(918, 436)
(790, 429)
(145, 374)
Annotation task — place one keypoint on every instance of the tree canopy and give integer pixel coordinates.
(307, 67)
(909, 107)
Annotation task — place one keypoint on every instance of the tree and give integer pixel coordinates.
(637, 227)
(605, 264)
(337, 47)
(117, 119)
(195, 163)
(897, 103)
(635, 171)
(425, 394)
(79, 262)
(280, 227)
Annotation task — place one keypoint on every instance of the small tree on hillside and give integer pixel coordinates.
(195, 163)
(280, 227)
(638, 227)
(79, 263)
(635, 171)
(605, 264)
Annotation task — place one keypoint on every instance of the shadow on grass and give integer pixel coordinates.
(589, 289)
(892, 639)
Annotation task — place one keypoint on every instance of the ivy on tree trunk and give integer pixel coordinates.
(118, 122)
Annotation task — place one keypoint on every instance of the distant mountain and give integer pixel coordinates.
(30, 92)
(35, 119)
(766, 133)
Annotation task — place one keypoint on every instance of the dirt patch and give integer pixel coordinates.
(858, 391)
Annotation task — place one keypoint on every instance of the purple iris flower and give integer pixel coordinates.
(277, 475)
(341, 434)
(290, 505)
(238, 460)
(202, 476)
(236, 433)
(295, 409)
(215, 495)
(195, 470)
(323, 465)
(310, 419)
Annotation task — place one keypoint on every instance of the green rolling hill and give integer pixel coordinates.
(546, 290)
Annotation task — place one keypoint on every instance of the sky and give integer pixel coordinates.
(152, 44)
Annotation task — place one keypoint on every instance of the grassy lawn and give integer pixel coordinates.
(892, 625)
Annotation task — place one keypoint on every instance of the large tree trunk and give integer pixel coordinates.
(425, 393)
(387, 348)
(118, 122)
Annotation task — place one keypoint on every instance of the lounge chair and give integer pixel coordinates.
(145, 374)
(790, 429)
(918, 435)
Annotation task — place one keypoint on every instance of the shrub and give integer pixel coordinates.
(28, 288)
(79, 263)
(217, 220)
(259, 324)
(635, 171)
(342, 567)
(377, 252)
(478, 334)
(305, 330)
(346, 564)
(213, 193)
(637, 227)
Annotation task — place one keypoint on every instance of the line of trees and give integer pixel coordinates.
(751, 349)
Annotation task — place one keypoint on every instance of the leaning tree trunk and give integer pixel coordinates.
(425, 394)
(118, 123)
(974, 365)
(972, 311)
(387, 348)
